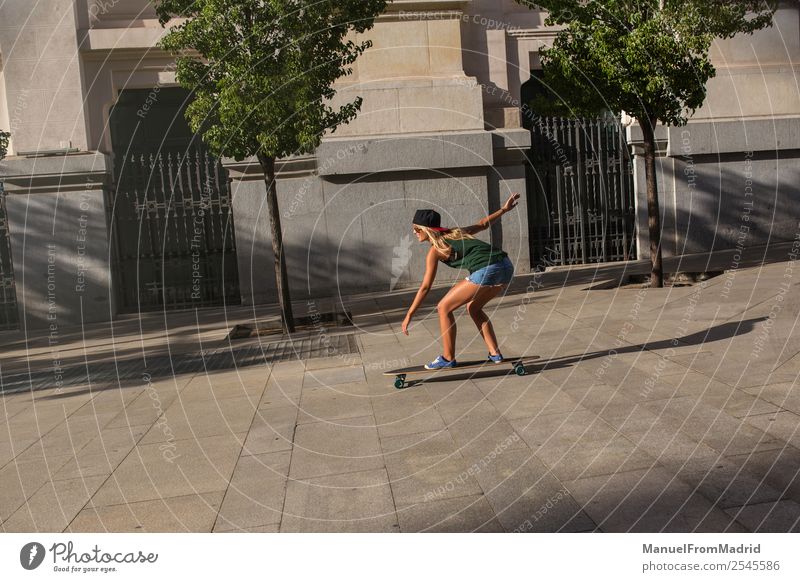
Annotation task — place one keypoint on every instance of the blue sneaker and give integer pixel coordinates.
(498, 359)
(440, 363)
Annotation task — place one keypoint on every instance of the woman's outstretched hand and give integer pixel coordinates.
(406, 323)
(511, 202)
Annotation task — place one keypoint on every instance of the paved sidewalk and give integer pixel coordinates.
(647, 410)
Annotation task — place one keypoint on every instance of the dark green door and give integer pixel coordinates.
(171, 208)
(581, 200)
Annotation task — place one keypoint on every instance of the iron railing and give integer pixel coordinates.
(9, 317)
(174, 235)
(582, 207)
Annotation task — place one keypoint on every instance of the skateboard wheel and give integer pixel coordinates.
(520, 370)
(399, 383)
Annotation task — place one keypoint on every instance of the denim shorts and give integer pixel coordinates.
(495, 274)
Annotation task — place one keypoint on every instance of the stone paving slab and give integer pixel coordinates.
(187, 513)
(280, 393)
(102, 455)
(777, 468)
(53, 506)
(24, 476)
(256, 493)
(419, 479)
(647, 500)
(527, 497)
(403, 413)
(350, 502)
(482, 432)
(196, 420)
(778, 517)
(196, 466)
(530, 399)
(785, 396)
(148, 405)
(271, 431)
(247, 383)
(461, 514)
(727, 485)
(332, 407)
(647, 410)
(322, 448)
(405, 448)
(783, 425)
(333, 376)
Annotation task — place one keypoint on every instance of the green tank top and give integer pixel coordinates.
(472, 254)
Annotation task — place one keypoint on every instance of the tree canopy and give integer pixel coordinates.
(649, 58)
(262, 71)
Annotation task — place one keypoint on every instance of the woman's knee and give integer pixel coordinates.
(444, 308)
(475, 311)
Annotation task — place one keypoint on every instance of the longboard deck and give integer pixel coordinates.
(517, 365)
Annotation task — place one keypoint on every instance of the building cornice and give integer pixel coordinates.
(69, 173)
(427, 5)
(401, 10)
(543, 33)
(249, 169)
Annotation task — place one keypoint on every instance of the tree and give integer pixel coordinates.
(4, 135)
(649, 58)
(262, 74)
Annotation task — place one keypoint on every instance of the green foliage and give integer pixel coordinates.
(634, 56)
(262, 71)
(4, 135)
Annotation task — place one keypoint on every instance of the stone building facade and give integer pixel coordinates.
(441, 127)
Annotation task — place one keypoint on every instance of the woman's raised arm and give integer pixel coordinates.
(485, 223)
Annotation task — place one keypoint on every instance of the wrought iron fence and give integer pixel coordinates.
(175, 242)
(581, 191)
(9, 318)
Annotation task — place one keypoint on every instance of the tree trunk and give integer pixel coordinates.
(653, 212)
(281, 279)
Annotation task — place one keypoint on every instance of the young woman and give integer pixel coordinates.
(490, 271)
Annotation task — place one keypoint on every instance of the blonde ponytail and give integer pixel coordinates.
(437, 238)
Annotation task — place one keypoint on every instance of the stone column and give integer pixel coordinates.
(60, 245)
(412, 79)
(420, 141)
(43, 75)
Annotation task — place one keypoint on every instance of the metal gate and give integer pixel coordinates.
(9, 319)
(174, 230)
(581, 193)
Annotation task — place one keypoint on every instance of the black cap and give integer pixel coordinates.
(429, 218)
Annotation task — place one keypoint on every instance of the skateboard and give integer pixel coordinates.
(517, 365)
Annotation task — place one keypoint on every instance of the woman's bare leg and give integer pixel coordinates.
(482, 321)
(462, 293)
